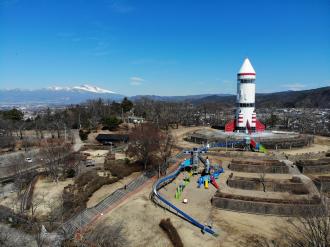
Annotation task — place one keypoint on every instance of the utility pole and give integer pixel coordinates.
(65, 132)
(79, 125)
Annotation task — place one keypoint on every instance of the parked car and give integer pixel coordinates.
(90, 163)
(29, 160)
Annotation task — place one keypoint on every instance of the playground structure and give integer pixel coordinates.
(254, 146)
(191, 166)
(208, 176)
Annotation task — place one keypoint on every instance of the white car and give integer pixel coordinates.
(29, 160)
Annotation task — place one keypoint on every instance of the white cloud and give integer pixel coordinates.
(122, 7)
(294, 86)
(136, 81)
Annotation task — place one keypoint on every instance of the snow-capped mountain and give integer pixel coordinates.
(56, 95)
(83, 88)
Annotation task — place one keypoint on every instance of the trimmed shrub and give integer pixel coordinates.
(171, 232)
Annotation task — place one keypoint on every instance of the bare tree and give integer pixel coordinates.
(10, 237)
(4, 237)
(144, 142)
(36, 203)
(107, 236)
(54, 154)
(310, 229)
(38, 231)
(55, 207)
(165, 149)
(19, 172)
(7, 142)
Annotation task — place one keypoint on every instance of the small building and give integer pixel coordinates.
(111, 139)
(135, 120)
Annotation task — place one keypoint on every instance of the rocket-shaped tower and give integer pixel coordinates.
(246, 91)
(245, 117)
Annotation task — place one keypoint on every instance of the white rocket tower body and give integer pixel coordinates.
(246, 89)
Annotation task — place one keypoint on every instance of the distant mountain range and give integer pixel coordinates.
(316, 98)
(56, 95)
(313, 98)
(177, 98)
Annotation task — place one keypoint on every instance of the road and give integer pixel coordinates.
(77, 141)
(6, 159)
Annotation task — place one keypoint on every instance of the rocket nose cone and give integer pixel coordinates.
(246, 67)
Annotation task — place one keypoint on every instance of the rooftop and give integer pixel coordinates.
(246, 68)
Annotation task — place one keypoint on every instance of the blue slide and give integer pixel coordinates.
(164, 181)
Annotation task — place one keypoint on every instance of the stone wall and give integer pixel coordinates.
(316, 169)
(306, 156)
(272, 208)
(314, 166)
(288, 143)
(281, 141)
(243, 184)
(258, 168)
(323, 183)
(274, 186)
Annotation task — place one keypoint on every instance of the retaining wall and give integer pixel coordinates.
(323, 184)
(314, 166)
(316, 169)
(255, 184)
(283, 209)
(282, 141)
(258, 168)
(288, 143)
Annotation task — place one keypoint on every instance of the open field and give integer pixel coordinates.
(50, 193)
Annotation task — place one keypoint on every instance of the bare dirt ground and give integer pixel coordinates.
(45, 192)
(140, 218)
(314, 148)
(49, 192)
(97, 156)
(182, 132)
(322, 140)
(120, 156)
(10, 201)
(106, 190)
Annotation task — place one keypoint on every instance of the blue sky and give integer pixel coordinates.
(168, 47)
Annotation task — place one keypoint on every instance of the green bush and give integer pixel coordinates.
(84, 135)
(70, 173)
(111, 123)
